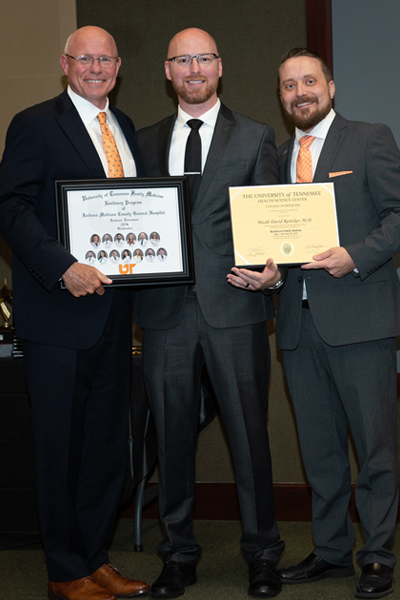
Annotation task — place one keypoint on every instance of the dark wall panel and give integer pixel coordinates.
(251, 38)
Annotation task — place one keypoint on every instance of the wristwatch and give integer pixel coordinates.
(276, 285)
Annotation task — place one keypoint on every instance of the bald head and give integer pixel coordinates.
(189, 38)
(194, 82)
(89, 34)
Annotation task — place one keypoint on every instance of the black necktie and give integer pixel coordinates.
(193, 158)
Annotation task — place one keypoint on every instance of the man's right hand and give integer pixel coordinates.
(81, 280)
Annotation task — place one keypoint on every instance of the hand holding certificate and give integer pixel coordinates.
(253, 280)
(337, 261)
(291, 223)
(127, 231)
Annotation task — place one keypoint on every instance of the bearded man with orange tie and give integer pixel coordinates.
(337, 320)
(77, 342)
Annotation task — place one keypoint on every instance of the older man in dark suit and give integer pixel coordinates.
(210, 324)
(77, 341)
(336, 324)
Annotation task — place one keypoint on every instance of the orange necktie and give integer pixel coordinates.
(304, 161)
(115, 168)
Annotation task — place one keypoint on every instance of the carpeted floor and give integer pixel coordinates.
(222, 572)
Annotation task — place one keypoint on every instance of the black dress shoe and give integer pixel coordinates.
(313, 568)
(264, 579)
(376, 581)
(174, 578)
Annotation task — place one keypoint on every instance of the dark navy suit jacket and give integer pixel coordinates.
(45, 143)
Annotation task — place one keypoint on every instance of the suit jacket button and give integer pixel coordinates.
(300, 279)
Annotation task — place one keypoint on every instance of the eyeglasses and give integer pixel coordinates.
(85, 60)
(186, 59)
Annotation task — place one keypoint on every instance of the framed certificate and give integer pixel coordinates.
(136, 231)
(289, 223)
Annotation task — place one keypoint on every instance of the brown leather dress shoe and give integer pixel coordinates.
(80, 589)
(111, 580)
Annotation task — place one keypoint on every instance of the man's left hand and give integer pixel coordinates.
(252, 280)
(337, 261)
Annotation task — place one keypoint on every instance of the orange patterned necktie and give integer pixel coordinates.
(115, 168)
(304, 161)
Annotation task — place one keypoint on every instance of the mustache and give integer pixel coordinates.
(298, 101)
(196, 78)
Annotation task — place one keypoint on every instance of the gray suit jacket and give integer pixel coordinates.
(363, 307)
(242, 153)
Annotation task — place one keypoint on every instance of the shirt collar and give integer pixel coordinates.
(208, 117)
(320, 130)
(87, 111)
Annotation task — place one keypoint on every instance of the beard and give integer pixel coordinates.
(309, 118)
(195, 96)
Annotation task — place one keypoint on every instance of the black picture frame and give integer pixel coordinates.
(97, 217)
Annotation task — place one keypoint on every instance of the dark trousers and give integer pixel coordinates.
(238, 363)
(80, 424)
(333, 388)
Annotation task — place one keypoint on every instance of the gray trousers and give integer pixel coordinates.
(238, 363)
(333, 388)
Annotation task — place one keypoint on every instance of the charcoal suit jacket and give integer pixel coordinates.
(242, 153)
(363, 306)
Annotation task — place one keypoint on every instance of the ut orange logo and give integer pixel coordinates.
(127, 269)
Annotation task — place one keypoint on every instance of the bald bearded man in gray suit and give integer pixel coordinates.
(212, 325)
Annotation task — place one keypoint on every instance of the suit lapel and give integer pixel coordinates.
(287, 166)
(222, 133)
(329, 151)
(130, 138)
(163, 144)
(330, 148)
(71, 123)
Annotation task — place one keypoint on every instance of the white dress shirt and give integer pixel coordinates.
(320, 132)
(181, 133)
(88, 113)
